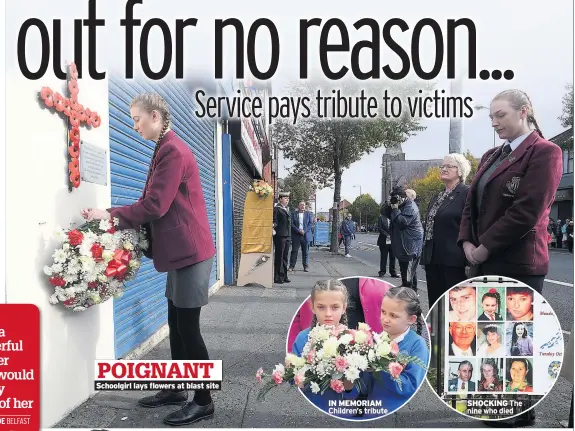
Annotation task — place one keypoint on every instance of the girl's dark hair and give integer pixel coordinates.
(519, 290)
(514, 333)
(528, 368)
(490, 328)
(330, 285)
(412, 307)
(492, 293)
(519, 99)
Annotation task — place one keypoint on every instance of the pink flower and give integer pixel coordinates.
(394, 348)
(395, 369)
(277, 377)
(369, 338)
(340, 364)
(259, 375)
(352, 332)
(298, 380)
(336, 385)
(338, 330)
(311, 356)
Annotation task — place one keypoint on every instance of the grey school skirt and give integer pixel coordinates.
(188, 287)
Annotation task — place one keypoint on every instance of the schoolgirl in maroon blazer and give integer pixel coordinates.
(504, 225)
(173, 206)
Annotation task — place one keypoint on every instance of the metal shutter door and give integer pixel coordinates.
(142, 310)
(241, 182)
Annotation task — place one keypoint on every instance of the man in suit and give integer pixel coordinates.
(463, 382)
(282, 238)
(301, 224)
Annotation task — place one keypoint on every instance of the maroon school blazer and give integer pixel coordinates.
(174, 204)
(512, 221)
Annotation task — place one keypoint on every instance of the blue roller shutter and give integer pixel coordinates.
(142, 310)
(241, 182)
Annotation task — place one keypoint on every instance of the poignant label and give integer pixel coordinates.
(93, 164)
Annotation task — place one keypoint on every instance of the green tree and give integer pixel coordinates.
(365, 209)
(300, 189)
(431, 184)
(323, 148)
(566, 117)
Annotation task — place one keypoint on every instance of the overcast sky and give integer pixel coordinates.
(534, 38)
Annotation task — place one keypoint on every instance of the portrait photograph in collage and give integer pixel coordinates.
(498, 348)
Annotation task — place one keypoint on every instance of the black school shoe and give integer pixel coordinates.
(190, 414)
(164, 398)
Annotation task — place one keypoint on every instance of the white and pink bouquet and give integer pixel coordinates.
(93, 262)
(333, 354)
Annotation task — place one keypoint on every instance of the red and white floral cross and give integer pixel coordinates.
(76, 115)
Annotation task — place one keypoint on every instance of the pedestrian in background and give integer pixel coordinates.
(384, 243)
(406, 235)
(347, 231)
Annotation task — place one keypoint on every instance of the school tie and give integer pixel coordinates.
(505, 152)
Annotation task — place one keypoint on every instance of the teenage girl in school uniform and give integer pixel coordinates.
(503, 228)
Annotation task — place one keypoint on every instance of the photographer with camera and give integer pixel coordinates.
(406, 235)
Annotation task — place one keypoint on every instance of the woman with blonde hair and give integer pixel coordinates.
(443, 259)
(173, 209)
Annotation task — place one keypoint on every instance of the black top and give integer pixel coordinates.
(443, 248)
(383, 227)
(354, 309)
(282, 221)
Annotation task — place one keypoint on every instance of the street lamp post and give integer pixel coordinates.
(359, 207)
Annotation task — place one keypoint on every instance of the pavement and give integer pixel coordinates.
(246, 327)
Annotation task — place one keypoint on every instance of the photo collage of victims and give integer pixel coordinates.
(500, 339)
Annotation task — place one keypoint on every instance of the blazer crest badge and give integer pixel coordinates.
(513, 185)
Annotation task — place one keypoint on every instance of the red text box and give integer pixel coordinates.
(19, 367)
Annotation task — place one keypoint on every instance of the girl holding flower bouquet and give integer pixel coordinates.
(329, 300)
(335, 366)
(400, 309)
